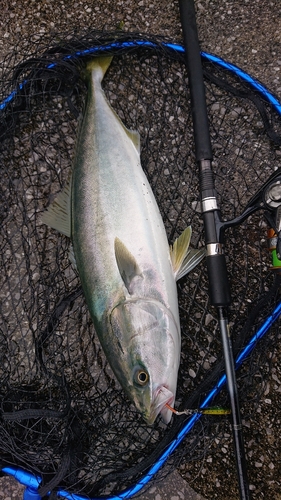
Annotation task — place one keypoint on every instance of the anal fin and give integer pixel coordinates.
(58, 214)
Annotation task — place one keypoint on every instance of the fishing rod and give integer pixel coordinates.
(219, 289)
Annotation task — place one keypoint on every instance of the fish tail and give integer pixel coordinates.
(97, 67)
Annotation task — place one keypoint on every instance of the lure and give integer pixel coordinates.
(213, 410)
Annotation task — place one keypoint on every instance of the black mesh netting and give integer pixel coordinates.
(63, 415)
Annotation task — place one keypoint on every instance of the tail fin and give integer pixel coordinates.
(97, 68)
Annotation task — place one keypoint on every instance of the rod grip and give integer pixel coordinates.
(219, 289)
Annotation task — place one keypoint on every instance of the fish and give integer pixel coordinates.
(127, 268)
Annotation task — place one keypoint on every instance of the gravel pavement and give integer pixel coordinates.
(245, 32)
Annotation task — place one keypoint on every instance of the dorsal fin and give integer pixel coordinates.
(183, 258)
(58, 214)
(126, 262)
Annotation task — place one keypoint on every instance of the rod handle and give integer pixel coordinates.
(219, 290)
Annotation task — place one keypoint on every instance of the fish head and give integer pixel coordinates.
(149, 355)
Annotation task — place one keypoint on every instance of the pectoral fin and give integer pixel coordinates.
(127, 264)
(183, 258)
(58, 214)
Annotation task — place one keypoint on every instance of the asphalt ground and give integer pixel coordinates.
(246, 33)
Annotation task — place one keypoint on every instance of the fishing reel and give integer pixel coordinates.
(272, 200)
(268, 198)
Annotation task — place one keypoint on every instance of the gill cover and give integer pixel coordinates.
(149, 343)
(142, 319)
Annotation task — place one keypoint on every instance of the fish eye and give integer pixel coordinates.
(141, 377)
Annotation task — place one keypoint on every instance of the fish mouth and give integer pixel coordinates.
(162, 397)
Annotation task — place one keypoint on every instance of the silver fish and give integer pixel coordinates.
(127, 269)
